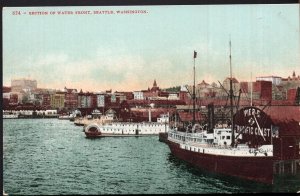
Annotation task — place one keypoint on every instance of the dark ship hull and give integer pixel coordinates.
(258, 169)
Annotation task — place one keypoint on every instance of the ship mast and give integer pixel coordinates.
(231, 97)
(194, 95)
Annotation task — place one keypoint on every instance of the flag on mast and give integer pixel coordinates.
(195, 54)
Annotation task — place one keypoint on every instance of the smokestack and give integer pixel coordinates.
(211, 118)
(151, 106)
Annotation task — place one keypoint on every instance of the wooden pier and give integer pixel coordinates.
(282, 167)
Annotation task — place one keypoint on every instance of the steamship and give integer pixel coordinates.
(253, 147)
(123, 129)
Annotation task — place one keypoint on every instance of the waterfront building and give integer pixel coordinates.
(71, 98)
(105, 101)
(87, 102)
(84, 100)
(100, 100)
(57, 100)
(46, 100)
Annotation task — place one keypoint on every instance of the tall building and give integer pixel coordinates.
(46, 99)
(57, 100)
(276, 80)
(18, 85)
(71, 98)
(86, 100)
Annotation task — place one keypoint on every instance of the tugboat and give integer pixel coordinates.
(253, 147)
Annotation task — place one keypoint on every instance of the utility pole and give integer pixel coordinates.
(194, 93)
(231, 98)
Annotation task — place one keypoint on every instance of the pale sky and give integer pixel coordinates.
(126, 52)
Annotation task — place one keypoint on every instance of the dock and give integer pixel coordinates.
(283, 167)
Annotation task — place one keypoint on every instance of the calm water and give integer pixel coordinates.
(51, 156)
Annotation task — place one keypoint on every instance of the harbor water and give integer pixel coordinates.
(51, 156)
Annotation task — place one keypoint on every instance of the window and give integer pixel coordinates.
(228, 137)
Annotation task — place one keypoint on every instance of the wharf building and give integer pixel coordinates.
(102, 101)
(57, 100)
(71, 98)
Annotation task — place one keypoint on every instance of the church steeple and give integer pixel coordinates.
(154, 83)
(154, 87)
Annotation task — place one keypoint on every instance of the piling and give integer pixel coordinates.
(283, 167)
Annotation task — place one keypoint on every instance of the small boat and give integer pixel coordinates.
(4, 194)
(9, 115)
(75, 114)
(65, 117)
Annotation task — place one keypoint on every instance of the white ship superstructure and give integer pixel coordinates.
(128, 128)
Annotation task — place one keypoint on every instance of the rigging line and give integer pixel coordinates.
(260, 131)
(246, 94)
(267, 105)
(223, 88)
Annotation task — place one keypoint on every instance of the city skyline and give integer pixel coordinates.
(128, 51)
(255, 78)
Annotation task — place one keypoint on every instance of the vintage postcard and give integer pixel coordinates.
(168, 99)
